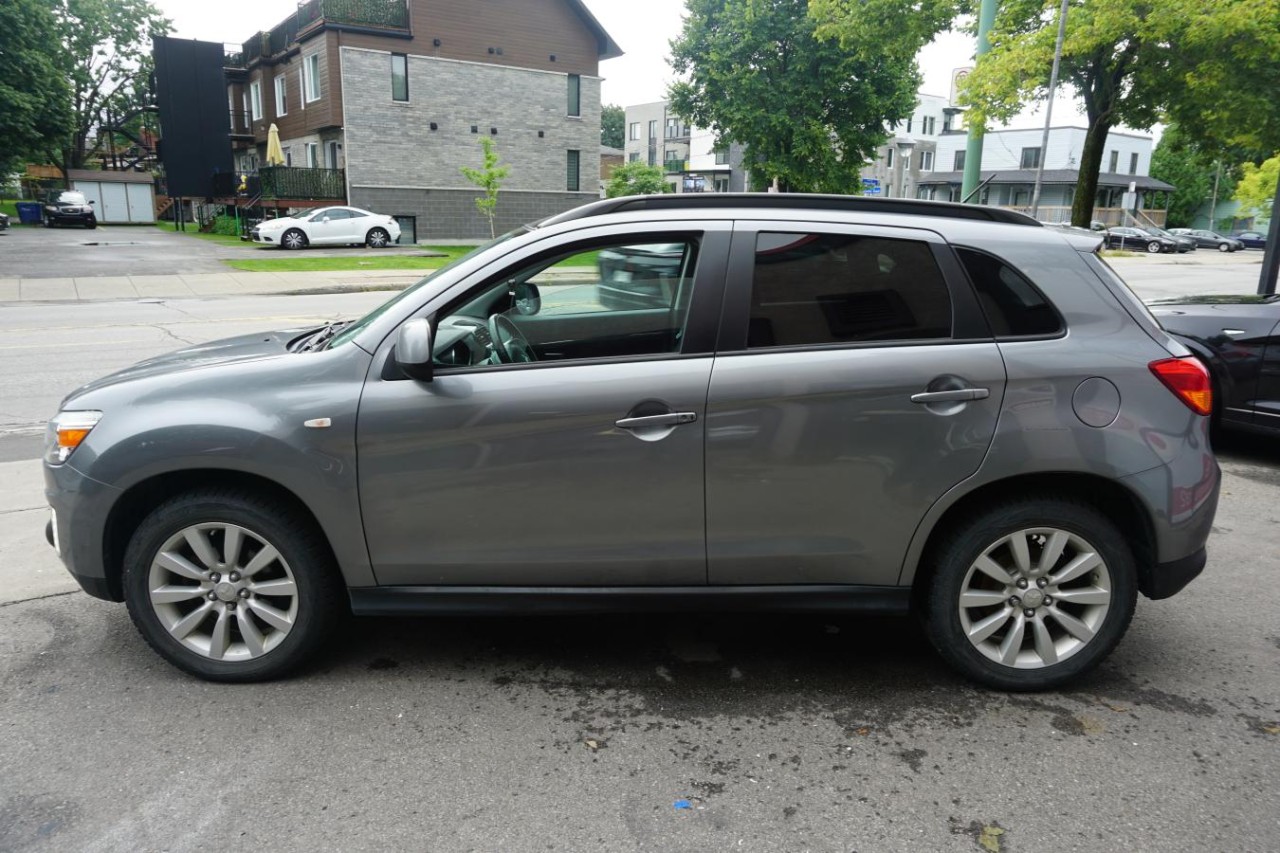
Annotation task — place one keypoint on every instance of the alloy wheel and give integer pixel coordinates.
(1035, 597)
(378, 239)
(223, 591)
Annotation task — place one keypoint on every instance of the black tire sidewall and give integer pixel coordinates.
(290, 535)
(369, 238)
(971, 538)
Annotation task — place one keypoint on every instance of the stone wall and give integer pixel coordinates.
(448, 213)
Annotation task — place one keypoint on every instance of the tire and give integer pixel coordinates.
(1223, 247)
(270, 621)
(293, 239)
(1153, 248)
(1040, 522)
(91, 224)
(378, 238)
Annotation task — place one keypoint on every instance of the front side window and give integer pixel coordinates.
(575, 95)
(311, 77)
(821, 289)
(399, 77)
(617, 300)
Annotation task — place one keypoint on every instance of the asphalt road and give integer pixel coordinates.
(582, 734)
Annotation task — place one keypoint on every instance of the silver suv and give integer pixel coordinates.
(841, 404)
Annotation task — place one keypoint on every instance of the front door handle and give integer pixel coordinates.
(664, 420)
(956, 395)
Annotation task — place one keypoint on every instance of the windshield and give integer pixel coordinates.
(70, 198)
(355, 328)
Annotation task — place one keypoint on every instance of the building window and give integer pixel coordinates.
(959, 166)
(653, 156)
(672, 160)
(574, 182)
(1030, 158)
(673, 128)
(888, 158)
(282, 97)
(255, 101)
(1133, 163)
(721, 185)
(399, 77)
(635, 131)
(1115, 162)
(311, 78)
(926, 161)
(928, 126)
(575, 95)
(313, 154)
(909, 120)
(722, 156)
(653, 129)
(633, 157)
(906, 162)
(288, 156)
(332, 155)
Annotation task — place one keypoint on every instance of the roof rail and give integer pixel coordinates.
(793, 201)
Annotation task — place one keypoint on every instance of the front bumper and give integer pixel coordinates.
(81, 507)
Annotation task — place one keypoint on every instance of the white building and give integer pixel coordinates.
(911, 149)
(688, 155)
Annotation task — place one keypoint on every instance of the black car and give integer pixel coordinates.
(1238, 339)
(4, 222)
(1209, 239)
(68, 207)
(1138, 240)
(1252, 239)
(1185, 243)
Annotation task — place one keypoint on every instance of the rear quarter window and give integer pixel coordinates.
(1014, 307)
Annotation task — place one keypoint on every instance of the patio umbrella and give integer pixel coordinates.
(275, 154)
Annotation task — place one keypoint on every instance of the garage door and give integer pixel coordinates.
(119, 203)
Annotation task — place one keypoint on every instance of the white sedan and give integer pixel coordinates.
(328, 226)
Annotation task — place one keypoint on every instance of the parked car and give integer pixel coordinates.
(847, 404)
(1236, 337)
(1122, 237)
(4, 222)
(1209, 239)
(68, 207)
(1252, 239)
(1185, 244)
(328, 226)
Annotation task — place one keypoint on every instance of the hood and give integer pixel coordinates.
(216, 353)
(1217, 299)
(279, 221)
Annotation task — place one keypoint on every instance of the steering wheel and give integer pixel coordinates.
(509, 343)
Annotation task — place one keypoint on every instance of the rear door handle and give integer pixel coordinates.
(954, 396)
(650, 421)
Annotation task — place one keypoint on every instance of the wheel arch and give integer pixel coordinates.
(1113, 499)
(140, 499)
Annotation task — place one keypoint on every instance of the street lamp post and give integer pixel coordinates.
(1048, 109)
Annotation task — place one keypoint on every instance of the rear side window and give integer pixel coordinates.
(814, 289)
(1013, 305)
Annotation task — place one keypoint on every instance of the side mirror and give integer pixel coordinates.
(325, 219)
(413, 349)
(92, 202)
(526, 299)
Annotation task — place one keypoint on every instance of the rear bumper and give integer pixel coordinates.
(1167, 579)
(1181, 499)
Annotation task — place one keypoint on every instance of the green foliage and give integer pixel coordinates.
(488, 178)
(228, 226)
(105, 54)
(635, 179)
(35, 101)
(808, 111)
(1208, 64)
(1256, 191)
(613, 119)
(1182, 163)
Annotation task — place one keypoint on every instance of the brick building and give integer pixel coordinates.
(398, 93)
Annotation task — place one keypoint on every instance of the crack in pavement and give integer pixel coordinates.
(23, 509)
(4, 604)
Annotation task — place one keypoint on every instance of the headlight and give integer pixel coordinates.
(65, 433)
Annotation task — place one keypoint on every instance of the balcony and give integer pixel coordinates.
(285, 184)
(373, 14)
(241, 126)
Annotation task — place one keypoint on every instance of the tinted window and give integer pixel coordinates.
(838, 288)
(1012, 304)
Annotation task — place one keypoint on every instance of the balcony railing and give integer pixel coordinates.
(383, 14)
(286, 183)
(240, 123)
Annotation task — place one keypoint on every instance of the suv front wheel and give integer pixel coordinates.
(230, 587)
(1031, 594)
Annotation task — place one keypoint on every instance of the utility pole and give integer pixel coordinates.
(973, 147)
(1271, 258)
(1213, 207)
(1048, 109)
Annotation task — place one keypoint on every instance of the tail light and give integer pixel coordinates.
(1188, 379)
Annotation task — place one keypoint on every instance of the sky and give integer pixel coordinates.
(642, 30)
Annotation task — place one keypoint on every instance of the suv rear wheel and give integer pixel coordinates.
(229, 587)
(1031, 594)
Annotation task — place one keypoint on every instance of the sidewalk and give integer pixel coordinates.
(201, 285)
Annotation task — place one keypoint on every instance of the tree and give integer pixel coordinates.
(613, 119)
(1256, 191)
(809, 112)
(635, 178)
(1182, 163)
(488, 178)
(106, 45)
(35, 101)
(1134, 62)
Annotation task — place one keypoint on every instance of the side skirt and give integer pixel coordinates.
(481, 600)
